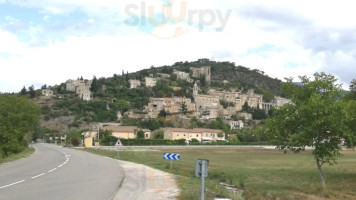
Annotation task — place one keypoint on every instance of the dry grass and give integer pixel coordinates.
(261, 173)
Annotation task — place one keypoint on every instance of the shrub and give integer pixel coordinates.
(74, 142)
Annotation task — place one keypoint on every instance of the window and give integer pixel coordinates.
(177, 134)
(207, 135)
(197, 135)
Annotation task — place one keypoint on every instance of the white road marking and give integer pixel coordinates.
(52, 170)
(38, 175)
(5, 186)
(65, 154)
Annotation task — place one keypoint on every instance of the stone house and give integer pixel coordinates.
(277, 102)
(47, 92)
(206, 105)
(170, 105)
(162, 75)
(134, 84)
(197, 133)
(81, 88)
(202, 71)
(72, 84)
(236, 124)
(225, 95)
(150, 81)
(182, 75)
(254, 100)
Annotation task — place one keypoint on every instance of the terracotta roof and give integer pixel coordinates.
(195, 130)
(120, 128)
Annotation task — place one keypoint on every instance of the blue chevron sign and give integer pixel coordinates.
(171, 156)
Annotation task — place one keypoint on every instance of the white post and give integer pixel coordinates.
(170, 167)
(202, 179)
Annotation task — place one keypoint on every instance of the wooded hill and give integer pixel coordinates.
(245, 77)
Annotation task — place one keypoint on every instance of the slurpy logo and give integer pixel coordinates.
(171, 20)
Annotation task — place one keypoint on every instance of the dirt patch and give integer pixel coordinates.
(145, 183)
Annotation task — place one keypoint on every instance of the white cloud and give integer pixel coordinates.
(282, 38)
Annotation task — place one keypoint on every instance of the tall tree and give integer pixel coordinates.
(94, 85)
(18, 117)
(31, 91)
(23, 91)
(313, 119)
(353, 85)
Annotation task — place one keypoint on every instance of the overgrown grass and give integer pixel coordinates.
(260, 173)
(26, 152)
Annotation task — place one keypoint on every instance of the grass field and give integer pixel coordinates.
(260, 173)
(23, 154)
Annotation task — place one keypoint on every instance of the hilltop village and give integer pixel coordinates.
(205, 103)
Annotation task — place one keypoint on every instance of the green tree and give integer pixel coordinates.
(94, 85)
(352, 94)
(158, 134)
(152, 124)
(246, 107)
(267, 95)
(23, 91)
(120, 105)
(184, 108)
(257, 113)
(18, 119)
(353, 85)
(140, 134)
(31, 91)
(313, 119)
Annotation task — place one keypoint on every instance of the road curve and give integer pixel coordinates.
(54, 172)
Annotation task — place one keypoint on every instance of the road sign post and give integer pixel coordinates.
(171, 156)
(201, 170)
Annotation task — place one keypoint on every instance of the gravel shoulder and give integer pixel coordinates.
(145, 183)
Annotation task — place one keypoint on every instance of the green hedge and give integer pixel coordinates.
(110, 141)
(276, 143)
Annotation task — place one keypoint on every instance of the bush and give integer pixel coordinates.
(108, 140)
(74, 142)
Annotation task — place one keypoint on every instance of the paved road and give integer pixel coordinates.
(59, 173)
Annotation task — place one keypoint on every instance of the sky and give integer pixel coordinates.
(51, 41)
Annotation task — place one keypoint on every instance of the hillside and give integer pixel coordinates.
(220, 71)
(113, 95)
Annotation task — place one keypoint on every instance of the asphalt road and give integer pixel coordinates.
(54, 172)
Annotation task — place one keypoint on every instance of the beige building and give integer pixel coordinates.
(85, 95)
(150, 82)
(47, 92)
(134, 84)
(225, 95)
(236, 124)
(254, 100)
(81, 88)
(170, 105)
(202, 71)
(126, 132)
(207, 106)
(277, 102)
(182, 75)
(197, 133)
(163, 75)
